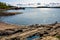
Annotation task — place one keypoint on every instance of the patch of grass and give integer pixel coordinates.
(58, 37)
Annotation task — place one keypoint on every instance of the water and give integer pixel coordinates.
(33, 16)
(33, 37)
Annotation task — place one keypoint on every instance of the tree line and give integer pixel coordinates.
(4, 6)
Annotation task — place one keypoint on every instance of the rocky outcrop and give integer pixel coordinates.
(15, 32)
(9, 13)
(17, 8)
(10, 32)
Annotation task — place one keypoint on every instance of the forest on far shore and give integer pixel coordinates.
(4, 6)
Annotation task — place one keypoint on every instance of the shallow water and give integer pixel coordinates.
(33, 37)
(33, 16)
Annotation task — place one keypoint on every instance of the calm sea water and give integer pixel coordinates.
(33, 16)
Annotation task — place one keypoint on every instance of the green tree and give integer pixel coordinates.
(3, 5)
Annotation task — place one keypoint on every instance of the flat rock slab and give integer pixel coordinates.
(4, 26)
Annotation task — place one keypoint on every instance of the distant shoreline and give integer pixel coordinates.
(40, 7)
(48, 7)
(17, 8)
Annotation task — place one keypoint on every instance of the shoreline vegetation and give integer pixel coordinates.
(4, 6)
(22, 32)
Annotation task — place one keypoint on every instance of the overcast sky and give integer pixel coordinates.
(14, 2)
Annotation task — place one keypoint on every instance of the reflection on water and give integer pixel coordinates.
(33, 16)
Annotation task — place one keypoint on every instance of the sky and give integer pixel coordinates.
(14, 2)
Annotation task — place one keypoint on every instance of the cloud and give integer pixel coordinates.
(14, 2)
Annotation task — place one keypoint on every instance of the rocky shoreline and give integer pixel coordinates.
(9, 13)
(20, 32)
